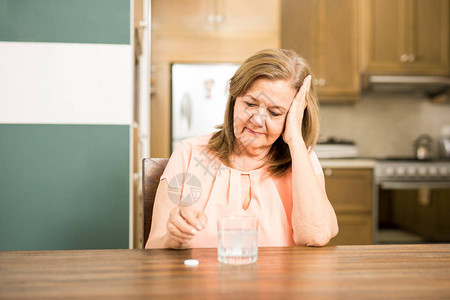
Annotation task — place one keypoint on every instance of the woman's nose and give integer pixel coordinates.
(258, 117)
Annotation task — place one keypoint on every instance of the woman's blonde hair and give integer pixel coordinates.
(270, 64)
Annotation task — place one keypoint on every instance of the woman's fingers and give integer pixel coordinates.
(180, 222)
(299, 103)
(192, 217)
(304, 89)
(307, 84)
(184, 223)
(202, 218)
(175, 231)
(295, 114)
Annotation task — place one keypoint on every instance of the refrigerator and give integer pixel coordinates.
(199, 95)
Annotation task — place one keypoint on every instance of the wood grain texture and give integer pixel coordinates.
(152, 169)
(350, 190)
(393, 29)
(350, 193)
(326, 33)
(342, 272)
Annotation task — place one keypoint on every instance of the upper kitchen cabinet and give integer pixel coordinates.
(215, 17)
(406, 37)
(326, 33)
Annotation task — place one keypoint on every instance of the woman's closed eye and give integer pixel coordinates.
(274, 114)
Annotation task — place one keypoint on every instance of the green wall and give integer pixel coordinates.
(64, 186)
(65, 21)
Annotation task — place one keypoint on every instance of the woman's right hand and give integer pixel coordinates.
(183, 224)
(294, 118)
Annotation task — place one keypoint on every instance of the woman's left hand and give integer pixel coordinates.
(294, 118)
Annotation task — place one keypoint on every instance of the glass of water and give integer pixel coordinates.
(237, 240)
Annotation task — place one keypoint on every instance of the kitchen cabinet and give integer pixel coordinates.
(215, 17)
(209, 31)
(441, 200)
(402, 208)
(425, 212)
(350, 191)
(326, 32)
(409, 37)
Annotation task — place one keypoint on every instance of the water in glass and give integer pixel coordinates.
(237, 246)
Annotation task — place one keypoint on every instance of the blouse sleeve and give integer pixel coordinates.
(178, 162)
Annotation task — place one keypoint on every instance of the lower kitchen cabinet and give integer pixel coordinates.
(354, 229)
(424, 212)
(441, 200)
(350, 191)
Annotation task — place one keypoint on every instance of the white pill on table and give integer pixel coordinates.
(191, 262)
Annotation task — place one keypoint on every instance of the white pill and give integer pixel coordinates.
(191, 262)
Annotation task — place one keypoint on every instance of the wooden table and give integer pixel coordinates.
(342, 272)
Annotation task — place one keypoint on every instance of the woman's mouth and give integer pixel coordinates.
(252, 131)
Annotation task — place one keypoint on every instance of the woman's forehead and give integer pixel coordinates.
(271, 92)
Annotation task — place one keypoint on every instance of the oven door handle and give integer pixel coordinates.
(403, 185)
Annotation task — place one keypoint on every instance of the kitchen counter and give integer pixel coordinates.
(360, 163)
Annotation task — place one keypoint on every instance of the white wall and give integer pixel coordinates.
(66, 83)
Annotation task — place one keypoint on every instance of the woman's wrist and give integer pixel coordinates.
(170, 243)
(173, 244)
(296, 141)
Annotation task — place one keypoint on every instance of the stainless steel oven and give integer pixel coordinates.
(412, 201)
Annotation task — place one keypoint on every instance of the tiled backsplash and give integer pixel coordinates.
(385, 125)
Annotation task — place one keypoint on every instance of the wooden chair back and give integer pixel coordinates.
(152, 169)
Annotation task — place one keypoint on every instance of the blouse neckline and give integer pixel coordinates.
(244, 172)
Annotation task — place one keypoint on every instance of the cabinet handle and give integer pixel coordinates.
(215, 19)
(319, 82)
(328, 172)
(407, 58)
(424, 197)
(219, 19)
(404, 58)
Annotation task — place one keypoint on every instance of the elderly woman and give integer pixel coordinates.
(260, 163)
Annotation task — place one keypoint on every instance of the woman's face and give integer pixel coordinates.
(260, 114)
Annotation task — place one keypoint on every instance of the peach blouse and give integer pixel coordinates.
(197, 177)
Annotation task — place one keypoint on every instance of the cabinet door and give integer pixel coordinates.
(216, 17)
(249, 16)
(350, 193)
(430, 44)
(297, 30)
(178, 17)
(423, 211)
(433, 214)
(337, 51)
(406, 36)
(349, 190)
(354, 229)
(326, 33)
(404, 208)
(442, 199)
(385, 36)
